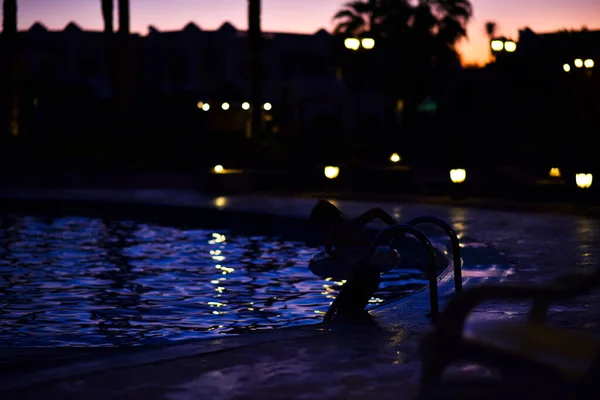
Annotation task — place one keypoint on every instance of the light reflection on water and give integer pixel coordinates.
(90, 282)
(587, 238)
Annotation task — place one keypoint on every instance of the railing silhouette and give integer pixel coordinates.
(352, 295)
(565, 287)
(456, 258)
(446, 343)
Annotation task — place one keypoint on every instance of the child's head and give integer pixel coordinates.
(324, 213)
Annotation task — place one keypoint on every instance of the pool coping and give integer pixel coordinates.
(415, 306)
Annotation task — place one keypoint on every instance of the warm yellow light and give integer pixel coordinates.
(395, 157)
(219, 169)
(220, 202)
(368, 43)
(589, 63)
(267, 106)
(566, 67)
(497, 45)
(554, 172)
(400, 105)
(225, 106)
(352, 43)
(245, 105)
(200, 104)
(205, 106)
(510, 46)
(579, 63)
(458, 175)
(331, 172)
(584, 181)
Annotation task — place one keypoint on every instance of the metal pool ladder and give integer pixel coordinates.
(356, 292)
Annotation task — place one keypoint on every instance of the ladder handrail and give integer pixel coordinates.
(386, 233)
(456, 258)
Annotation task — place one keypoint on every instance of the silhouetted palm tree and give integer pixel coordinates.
(354, 17)
(9, 33)
(380, 18)
(445, 20)
(108, 9)
(119, 64)
(255, 39)
(124, 28)
(490, 29)
(124, 63)
(415, 35)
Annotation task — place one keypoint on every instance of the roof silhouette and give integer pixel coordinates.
(72, 26)
(191, 26)
(227, 26)
(38, 26)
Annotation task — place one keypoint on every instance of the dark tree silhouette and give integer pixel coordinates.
(491, 28)
(255, 38)
(108, 9)
(9, 33)
(118, 54)
(124, 28)
(430, 28)
(124, 62)
(415, 35)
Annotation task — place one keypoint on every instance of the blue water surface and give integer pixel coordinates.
(78, 281)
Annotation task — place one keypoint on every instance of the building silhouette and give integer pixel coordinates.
(193, 66)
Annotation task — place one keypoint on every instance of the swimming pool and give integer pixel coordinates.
(90, 281)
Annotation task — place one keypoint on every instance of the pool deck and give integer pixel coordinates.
(332, 361)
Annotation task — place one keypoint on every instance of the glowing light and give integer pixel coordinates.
(205, 107)
(578, 63)
(368, 43)
(458, 175)
(245, 105)
(225, 106)
(554, 172)
(395, 157)
(331, 172)
(218, 169)
(267, 106)
(352, 43)
(220, 202)
(497, 45)
(510, 46)
(217, 238)
(589, 63)
(200, 104)
(566, 67)
(584, 181)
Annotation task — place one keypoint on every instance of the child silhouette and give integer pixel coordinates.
(345, 236)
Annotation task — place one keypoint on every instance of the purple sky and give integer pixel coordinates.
(310, 15)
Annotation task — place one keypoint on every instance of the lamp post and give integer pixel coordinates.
(458, 177)
(255, 38)
(580, 63)
(356, 45)
(331, 171)
(584, 101)
(583, 182)
(499, 46)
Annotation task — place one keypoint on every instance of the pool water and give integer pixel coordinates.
(78, 281)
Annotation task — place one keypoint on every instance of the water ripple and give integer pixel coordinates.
(77, 281)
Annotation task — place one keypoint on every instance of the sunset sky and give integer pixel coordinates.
(309, 15)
